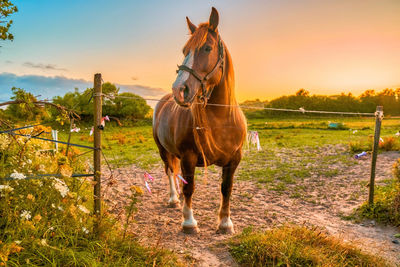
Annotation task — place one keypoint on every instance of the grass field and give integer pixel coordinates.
(305, 137)
(292, 148)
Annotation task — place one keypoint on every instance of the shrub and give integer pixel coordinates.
(48, 221)
(386, 207)
(396, 169)
(291, 245)
(389, 143)
(366, 144)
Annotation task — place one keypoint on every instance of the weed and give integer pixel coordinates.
(48, 221)
(389, 144)
(291, 245)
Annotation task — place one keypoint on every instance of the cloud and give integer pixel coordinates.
(8, 62)
(42, 66)
(48, 87)
(134, 78)
(144, 91)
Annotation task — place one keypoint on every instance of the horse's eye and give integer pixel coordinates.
(207, 48)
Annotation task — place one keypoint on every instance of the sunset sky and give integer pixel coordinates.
(277, 46)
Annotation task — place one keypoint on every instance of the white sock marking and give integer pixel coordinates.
(188, 220)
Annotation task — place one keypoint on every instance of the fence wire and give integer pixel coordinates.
(300, 110)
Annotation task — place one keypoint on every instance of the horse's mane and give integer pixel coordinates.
(197, 39)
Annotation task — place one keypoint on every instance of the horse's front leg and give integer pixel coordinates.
(188, 165)
(225, 224)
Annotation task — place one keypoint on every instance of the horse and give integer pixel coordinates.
(200, 123)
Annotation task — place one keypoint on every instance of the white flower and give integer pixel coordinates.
(60, 208)
(83, 209)
(29, 161)
(26, 215)
(51, 228)
(84, 230)
(6, 188)
(17, 242)
(18, 176)
(61, 187)
(42, 168)
(4, 142)
(53, 206)
(43, 242)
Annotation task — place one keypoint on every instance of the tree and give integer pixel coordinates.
(120, 105)
(302, 92)
(6, 9)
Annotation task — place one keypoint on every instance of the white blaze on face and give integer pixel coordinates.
(184, 75)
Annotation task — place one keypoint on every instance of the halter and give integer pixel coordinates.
(205, 95)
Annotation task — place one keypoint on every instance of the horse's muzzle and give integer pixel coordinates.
(181, 96)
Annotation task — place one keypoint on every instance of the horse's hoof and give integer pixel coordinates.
(174, 203)
(225, 226)
(225, 230)
(190, 230)
(190, 226)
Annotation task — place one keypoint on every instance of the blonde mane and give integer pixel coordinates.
(197, 39)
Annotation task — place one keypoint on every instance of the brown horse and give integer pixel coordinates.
(200, 123)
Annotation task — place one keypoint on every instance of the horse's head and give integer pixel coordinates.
(203, 66)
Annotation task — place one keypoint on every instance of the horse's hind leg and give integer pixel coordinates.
(172, 171)
(225, 224)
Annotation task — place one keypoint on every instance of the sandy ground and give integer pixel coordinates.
(252, 204)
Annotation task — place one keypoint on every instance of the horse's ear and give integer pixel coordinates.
(191, 26)
(214, 19)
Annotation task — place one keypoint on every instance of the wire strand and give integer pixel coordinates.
(301, 110)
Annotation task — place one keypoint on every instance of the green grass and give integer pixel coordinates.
(291, 245)
(122, 145)
(293, 148)
(135, 145)
(386, 206)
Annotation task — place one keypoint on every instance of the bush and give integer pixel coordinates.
(386, 207)
(124, 106)
(389, 144)
(48, 221)
(291, 245)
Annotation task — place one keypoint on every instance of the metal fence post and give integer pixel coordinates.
(97, 96)
(378, 122)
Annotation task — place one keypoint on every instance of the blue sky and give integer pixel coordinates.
(278, 46)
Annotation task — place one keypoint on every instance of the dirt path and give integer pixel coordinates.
(254, 205)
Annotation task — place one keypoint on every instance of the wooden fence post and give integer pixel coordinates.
(378, 122)
(97, 96)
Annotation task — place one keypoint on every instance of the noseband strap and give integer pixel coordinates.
(205, 95)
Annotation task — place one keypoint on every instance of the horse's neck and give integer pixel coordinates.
(222, 93)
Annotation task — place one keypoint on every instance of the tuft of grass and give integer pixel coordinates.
(389, 143)
(291, 245)
(386, 207)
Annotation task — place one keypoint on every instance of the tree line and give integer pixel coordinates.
(365, 103)
(126, 107)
